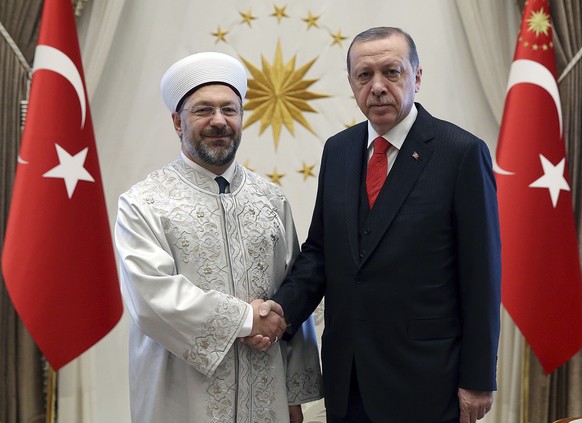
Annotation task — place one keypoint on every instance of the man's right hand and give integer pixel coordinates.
(268, 319)
(268, 325)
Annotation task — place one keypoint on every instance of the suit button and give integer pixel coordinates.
(367, 232)
(358, 281)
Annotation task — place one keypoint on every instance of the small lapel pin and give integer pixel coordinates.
(416, 156)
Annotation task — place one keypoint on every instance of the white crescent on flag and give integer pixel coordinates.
(52, 59)
(530, 72)
(49, 58)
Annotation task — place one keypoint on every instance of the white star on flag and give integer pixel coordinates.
(553, 179)
(70, 169)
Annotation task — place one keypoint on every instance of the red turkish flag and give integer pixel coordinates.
(542, 284)
(58, 259)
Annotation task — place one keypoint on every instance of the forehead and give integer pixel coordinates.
(380, 51)
(213, 93)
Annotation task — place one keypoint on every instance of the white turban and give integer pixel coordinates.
(199, 69)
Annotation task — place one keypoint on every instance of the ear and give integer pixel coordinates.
(418, 78)
(177, 123)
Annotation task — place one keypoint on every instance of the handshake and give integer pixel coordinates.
(268, 325)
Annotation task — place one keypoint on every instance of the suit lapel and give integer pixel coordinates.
(412, 158)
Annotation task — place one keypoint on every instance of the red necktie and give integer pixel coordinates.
(377, 169)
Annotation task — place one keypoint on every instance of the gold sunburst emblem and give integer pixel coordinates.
(539, 22)
(278, 95)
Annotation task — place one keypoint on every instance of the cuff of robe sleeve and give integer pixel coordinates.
(247, 326)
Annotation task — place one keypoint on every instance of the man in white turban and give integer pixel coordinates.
(202, 242)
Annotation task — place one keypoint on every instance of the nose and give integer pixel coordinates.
(218, 119)
(379, 85)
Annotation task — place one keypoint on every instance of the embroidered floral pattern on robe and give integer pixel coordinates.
(190, 261)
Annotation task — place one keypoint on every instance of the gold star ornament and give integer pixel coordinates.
(280, 13)
(307, 171)
(276, 177)
(248, 18)
(220, 35)
(311, 20)
(350, 124)
(338, 38)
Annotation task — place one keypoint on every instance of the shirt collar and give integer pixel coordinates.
(228, 173)
(398, 134)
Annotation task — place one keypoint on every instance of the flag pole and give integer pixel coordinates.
(51, 394)
(524, 389)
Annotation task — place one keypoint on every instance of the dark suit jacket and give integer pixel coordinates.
(412, 293)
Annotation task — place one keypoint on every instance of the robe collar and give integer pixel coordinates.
(228, 173)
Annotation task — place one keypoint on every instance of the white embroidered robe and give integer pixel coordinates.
(189, 261)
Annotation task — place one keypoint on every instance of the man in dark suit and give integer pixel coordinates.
(411, 279)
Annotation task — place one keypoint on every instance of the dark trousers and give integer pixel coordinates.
(356, 412)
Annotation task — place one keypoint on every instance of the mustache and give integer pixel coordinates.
(217, 132)
(378, 102)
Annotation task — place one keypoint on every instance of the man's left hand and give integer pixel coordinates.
(474, 404)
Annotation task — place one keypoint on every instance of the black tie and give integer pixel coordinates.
(222, 184)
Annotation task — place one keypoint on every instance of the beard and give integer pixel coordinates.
(209, 152)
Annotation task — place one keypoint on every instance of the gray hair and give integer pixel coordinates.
(381, 32)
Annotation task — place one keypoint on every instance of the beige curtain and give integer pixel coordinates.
(491, 50)
(21, 364)
(559, 395)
